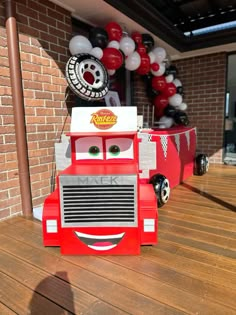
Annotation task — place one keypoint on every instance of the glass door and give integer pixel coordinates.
(230, 113)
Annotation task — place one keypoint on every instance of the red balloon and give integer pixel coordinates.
(141, 49)
(160, 102)
(114, 31)
(137, 37)
(169, 90)
(112, 58)
(159, 83)
(155, 66)
(144, 67)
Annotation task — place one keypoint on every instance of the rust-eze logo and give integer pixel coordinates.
(103, 119)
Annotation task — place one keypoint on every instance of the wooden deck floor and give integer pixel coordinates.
(191, 271)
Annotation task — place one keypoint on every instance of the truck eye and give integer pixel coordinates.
(94, 150)
(114, 150)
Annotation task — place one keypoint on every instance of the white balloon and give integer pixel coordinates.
(175, 100)
(111, 71)
(169, 78)
(79, 44)
(132, 62)
(183, 106)
(160, 54)
(127, 45)
(114, 44)
(166, 121)
(152, 57)
(177, 82)
(96, 52)
(161, 70)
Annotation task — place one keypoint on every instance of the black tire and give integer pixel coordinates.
(76, 67)
(162, 188)
(201, 164)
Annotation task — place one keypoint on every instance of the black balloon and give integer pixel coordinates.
(180, 90)
(98, 37)
(147, 41)
(147, 78)
(171, 70)
(151, 92)
(170, 111)
(181, 118)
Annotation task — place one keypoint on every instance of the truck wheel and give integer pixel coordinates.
(201, 164)
(161, 187)
(87, 77)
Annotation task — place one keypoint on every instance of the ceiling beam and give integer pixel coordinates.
(150, 18)
(144, 14)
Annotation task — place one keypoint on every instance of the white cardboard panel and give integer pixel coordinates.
(126, 119)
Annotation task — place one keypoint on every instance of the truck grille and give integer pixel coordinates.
(98, 200)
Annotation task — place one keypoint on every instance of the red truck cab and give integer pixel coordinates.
(100, 204)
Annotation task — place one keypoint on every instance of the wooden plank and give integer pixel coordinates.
(4, 310)
(202, 245)
(3, 227)
(56, 287)
(22, 300)
(197, 194)
(210, 209)
(206, 195)
(198, 255)
(121, 297)
(212, 180)
(207, 192)
(216, 203)
(210, 187)
(198, 235)
(208, 226)
(168, 257)
(202, 213)
(14, 219)
(178, 278)
(209, 183)
(194, 268)
(144, 285)
(100, 307)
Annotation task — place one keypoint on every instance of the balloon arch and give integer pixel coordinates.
(106, 50)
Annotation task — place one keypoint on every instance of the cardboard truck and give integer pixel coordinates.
(102, 205)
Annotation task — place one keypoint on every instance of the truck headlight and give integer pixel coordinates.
(149, 225)
(51, 226)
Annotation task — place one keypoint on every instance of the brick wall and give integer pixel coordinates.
(44, 34)
(203, 80)
(140, 98)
